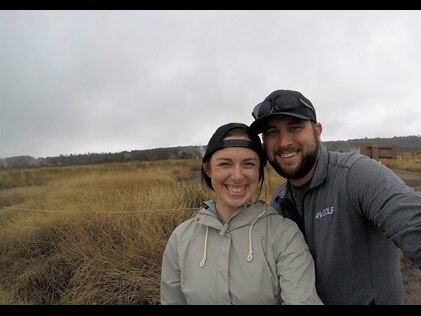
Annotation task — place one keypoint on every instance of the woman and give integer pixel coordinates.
(236, 251)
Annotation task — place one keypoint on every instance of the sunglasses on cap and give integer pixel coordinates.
(285, 105)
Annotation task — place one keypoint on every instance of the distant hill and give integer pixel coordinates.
(407, 144)
(404, 144)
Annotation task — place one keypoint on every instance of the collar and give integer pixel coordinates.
(320, 173)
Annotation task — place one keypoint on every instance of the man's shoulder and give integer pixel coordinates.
(355, 166)
(345, 159)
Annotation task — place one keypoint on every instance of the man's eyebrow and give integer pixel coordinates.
(294, 120)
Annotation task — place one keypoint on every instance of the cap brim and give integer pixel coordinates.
(257, 126)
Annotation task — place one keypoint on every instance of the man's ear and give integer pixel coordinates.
(318, 128)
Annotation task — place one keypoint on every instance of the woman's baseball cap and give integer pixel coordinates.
(282, 102)
(218, 142)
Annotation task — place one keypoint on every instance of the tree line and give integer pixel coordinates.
(404, 144)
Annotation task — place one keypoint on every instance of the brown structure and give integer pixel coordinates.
(379, 152)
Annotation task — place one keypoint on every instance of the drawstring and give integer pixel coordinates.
(202, 263)
(250, 255)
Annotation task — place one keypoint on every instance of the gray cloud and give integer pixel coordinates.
(105, 81)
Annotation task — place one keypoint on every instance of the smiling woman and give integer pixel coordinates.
(237, 235)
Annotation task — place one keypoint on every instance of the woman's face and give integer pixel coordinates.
(234, 173)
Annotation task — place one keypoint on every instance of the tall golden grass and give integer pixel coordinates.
(405, 161)
(94, 234)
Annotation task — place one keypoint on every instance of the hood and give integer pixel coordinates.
(248, 215)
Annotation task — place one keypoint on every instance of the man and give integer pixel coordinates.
(354, 212)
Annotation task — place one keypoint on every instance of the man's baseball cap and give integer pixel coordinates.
(282, 102)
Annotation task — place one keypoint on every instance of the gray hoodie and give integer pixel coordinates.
(257, 257)
(356, 212)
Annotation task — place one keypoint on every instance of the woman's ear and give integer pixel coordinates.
(206, 167)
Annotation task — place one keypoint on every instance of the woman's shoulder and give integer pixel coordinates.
(184, 225)
(272, 214)
(261, 205)
(187, 230)
(278, 229)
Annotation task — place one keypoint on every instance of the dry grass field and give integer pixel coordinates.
(95, 234)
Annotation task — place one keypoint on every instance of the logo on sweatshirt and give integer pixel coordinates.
(327, 211)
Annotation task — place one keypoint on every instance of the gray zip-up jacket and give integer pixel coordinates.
(356, 213)
(257, 257)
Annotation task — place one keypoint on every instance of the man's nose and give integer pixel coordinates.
(284, 140)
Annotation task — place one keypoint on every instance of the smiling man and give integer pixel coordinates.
(353, 211)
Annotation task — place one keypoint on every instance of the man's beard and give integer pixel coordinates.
(308, 161)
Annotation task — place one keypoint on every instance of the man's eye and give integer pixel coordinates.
(271, 132)
(295, 128)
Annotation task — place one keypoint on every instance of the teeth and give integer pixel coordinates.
(236, 190)
(288, 155)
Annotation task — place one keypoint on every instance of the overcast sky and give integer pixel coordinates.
(75, 82)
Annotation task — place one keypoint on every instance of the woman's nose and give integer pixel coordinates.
(236, 173)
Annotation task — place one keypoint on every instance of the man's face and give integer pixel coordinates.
(292, 147)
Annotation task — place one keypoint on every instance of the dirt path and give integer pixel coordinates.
(412, 179)
(411, 274)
